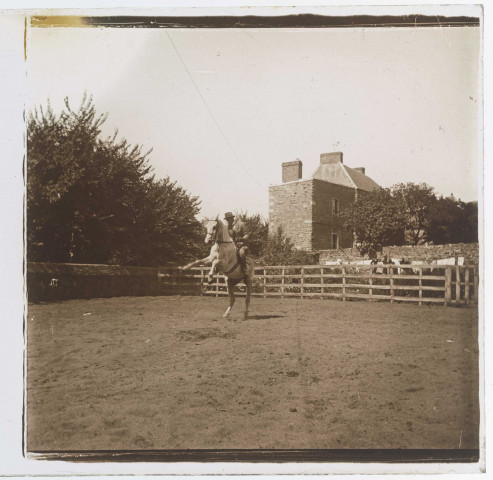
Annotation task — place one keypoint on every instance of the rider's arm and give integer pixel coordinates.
(240, 232)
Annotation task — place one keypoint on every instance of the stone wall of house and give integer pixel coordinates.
(325, 223)
(425, 253)
(290, 206)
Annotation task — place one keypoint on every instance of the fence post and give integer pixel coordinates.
(265, 284)
(172, 280)
(202, 273)
(282, 282)
(466, 286)
(302, 281)
(420, 292)
(217, 286)
(457, 285)
(322, 282)
(370, 290)
(343, 284)
(448, 285)
(476, 284)
(391, 270)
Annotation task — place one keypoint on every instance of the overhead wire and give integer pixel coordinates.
(210, 111)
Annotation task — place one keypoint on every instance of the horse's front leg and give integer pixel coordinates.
(207, 259)
(231, 293)
(212, 271)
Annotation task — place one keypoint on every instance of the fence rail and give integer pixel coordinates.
(447, 284)
(441, 284)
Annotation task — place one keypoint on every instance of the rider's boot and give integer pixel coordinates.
(242, 258)
(243, 264)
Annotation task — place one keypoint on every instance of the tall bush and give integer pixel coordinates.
(95, 200)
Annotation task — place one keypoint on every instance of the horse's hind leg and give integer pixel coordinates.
(231, 293)
(247, 298)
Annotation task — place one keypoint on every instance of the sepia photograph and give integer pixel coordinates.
(254, 238)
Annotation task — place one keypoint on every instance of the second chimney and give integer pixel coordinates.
(334, 157)
(360, 170)
(292, 171)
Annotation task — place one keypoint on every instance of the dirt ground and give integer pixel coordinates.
(170, 373)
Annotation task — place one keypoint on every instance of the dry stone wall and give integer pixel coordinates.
(424, 253)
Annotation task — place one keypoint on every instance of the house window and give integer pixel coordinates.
(335, 241)
(335, 206)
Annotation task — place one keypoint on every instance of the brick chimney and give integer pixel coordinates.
(361, 170)
(334, 157)
(292, 171)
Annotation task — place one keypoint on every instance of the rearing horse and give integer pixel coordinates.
(223, 259)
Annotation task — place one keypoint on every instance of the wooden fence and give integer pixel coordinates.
(404, 283)
(48, 282)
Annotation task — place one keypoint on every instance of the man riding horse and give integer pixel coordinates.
(228, 256)
(237, 231)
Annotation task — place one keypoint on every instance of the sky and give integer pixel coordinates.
(223, 108)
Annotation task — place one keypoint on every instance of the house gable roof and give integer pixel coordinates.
(340, 174)
(361, 180)
(334, 173)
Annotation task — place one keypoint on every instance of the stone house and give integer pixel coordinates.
(308, 210)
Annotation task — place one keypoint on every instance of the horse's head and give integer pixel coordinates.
(212, 228)
(216, 231)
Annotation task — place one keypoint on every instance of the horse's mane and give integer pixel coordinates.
(224, 231)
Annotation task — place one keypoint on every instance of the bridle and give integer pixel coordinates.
(216, 233)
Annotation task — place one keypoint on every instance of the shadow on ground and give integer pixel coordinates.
(264, 317)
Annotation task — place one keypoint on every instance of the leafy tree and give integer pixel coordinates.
(469, 222)
(280, 250)
(416, 201)
(94, 200)
(409, 214)
(257, 229)
(376, 220)
(453, 221)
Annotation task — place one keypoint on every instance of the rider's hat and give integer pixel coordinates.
(228, 215)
